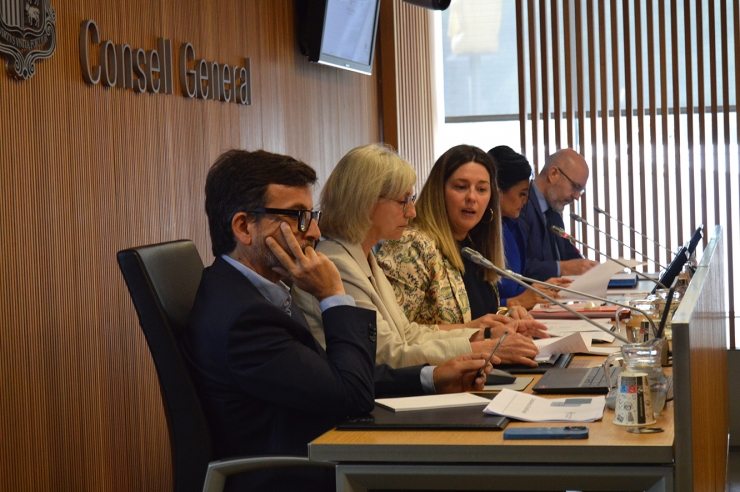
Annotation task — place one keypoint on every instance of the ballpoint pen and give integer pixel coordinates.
(501, 340)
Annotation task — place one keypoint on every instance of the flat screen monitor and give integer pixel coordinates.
(694, 241)
(341, 33)
(674, 268)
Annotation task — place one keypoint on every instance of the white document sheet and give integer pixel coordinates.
(530, 408)
(564, 327)
(596, 280)
(580, 342)
(427, 402)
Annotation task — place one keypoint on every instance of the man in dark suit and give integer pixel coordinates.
(561, 181)
(265, 383)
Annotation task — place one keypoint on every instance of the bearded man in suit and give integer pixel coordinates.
(561, 181)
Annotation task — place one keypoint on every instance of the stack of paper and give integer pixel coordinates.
(530, 408)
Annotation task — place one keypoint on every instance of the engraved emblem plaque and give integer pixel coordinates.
(27, 34)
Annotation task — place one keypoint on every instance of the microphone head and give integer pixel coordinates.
(558, 231)
(471, 254)
(599, 211)
(577, 218)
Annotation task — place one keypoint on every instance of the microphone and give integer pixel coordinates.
(580, 219)
(560, 232)
(656, 330)
(600, 211)
(478, 259)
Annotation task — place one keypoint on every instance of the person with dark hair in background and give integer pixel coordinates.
(561, 181)
(513, 174)
(266, 385)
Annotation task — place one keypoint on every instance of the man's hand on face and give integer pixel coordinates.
(310, 271)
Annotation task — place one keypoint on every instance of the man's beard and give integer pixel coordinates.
(267, 258)
(553, 202)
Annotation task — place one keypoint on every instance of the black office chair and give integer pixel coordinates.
(162, 280)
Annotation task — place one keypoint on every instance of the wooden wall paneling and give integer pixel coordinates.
(544, 78)
(406, 75)
(583, 208)
(617, 110)
(87, 171)
(728, 173)
(676, 107)
(568, 30)
(653, 102)
(638, 179)
(606, 123)
(521, 72)
(665, 118)
(534, 74)
(715, 89)
(701, 113)
(690, 110)
(627, 24)
(556, 66)
(580, 55)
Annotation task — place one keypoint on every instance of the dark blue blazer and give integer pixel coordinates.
(267, 386)
(541, 265)
(515, 252)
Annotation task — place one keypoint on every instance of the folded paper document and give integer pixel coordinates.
(595, 281)
(530, 408)
(580, 342)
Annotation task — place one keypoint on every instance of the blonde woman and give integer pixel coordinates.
(368, 198)
(458, 207)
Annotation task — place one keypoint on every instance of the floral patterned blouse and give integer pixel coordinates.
(428, 288)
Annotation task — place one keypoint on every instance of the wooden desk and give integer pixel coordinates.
(688, 457)
(610, 459)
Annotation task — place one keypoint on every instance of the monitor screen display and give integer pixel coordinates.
(348, 40)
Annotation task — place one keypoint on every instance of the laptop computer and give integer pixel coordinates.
(560, 360)
(590, 380)
(576, 381)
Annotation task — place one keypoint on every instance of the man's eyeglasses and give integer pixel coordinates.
(576, 187)
(405, 202)
(304, 216)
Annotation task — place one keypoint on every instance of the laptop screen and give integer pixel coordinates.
(674, 268)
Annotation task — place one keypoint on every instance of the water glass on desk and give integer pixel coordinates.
(641, 358)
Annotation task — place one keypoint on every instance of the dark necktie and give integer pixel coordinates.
(552, 218)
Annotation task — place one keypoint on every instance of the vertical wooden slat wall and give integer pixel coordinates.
(656, 135)
(88, 171)
(406, 83)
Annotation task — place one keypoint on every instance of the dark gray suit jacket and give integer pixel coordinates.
(266, 385)
(541, 263)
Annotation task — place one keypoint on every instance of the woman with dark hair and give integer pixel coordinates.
(513, 174)
(433, 283)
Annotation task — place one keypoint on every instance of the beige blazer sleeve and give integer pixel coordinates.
(400, 343)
